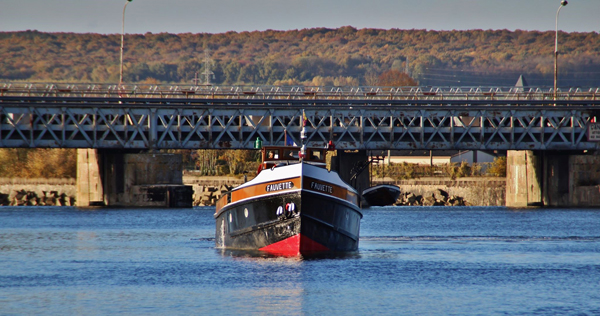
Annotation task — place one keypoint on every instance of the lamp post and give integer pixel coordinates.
(562, 4)
(122, 35)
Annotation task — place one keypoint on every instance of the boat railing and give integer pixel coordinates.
(275, 155)
(223, 201)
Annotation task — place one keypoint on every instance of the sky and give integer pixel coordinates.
(211, 16)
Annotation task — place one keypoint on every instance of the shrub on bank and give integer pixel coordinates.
(38, 163)
(407, 171)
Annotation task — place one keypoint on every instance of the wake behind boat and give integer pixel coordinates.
(292, 207)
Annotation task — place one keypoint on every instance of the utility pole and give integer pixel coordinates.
(122, 36)
(195, 80)
(562, 4)
(207, 73)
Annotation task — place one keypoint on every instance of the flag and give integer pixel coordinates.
(304, 118)
(288, 140)
(303, 131)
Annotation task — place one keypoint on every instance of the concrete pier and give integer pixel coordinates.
(557, 182)
(117, 178)
(89, 184)
(552, 178)
(523, 179)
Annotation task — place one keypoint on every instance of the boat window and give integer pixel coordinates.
(290, 154)
(316, 155)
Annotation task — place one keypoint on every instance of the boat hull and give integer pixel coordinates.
(307, 217)
(381, 195)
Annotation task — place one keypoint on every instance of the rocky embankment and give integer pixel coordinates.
(62, 192)
(208, 195)
(33, 192)
(207, 189)
(474, 191)
(436, 198)
(31, 198)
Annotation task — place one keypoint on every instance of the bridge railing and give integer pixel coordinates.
(267, 92)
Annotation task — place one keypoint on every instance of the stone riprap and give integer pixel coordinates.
(33, 192)
(441, 191)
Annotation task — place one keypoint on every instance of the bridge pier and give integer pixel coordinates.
(552, 178)
(121, 178)
(89, 183)
(524, 181)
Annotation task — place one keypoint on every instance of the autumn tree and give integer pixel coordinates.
(474, 57)
(395, 78)
(37, 163)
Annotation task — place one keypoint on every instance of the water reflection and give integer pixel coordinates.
(257, 254)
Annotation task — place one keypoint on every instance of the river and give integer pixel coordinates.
(411, 261)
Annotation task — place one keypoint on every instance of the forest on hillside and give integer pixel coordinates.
(341, 57)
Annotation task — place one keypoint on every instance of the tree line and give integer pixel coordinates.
(38, 163)
(62, 162)
(344, 56)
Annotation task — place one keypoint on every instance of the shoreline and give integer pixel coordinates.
(475, 191)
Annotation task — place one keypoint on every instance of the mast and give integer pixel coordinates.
(303, 136)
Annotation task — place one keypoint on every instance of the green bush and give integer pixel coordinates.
(406, 171)
(498, 167)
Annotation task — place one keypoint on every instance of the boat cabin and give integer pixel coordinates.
(275, 155)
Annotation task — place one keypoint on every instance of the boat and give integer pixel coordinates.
(381, 195)
(294, 206)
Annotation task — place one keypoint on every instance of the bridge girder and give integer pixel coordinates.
(142, 123)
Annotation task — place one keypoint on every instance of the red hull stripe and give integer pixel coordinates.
(308, 245)
(293, 246)
(287, 247)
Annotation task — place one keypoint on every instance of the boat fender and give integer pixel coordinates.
(279, 211)
(290, 209)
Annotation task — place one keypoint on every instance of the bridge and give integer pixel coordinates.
(233, 117)
(552, 137)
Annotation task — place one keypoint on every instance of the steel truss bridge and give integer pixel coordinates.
(233, 117)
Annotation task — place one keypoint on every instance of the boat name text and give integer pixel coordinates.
(321, 187)
(279, 186)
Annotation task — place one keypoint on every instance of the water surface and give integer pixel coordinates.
(411, 260)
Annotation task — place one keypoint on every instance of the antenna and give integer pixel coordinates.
(208, 62)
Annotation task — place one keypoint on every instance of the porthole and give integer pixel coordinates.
(230, 217)
(246, 212)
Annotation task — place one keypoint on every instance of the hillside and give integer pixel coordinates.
(344, 56)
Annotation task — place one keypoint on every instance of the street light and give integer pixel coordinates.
(122, 35)
(562, 4)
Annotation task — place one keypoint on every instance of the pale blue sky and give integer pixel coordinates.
(198, 16)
